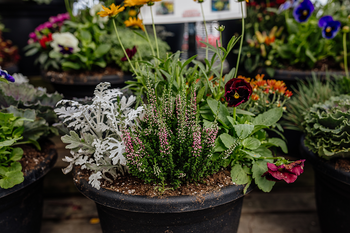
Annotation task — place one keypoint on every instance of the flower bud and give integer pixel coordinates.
(346, 29)
(268, 62)
(221, 28)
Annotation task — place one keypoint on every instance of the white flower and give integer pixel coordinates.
(97, 19)
(65, 43)
(94, 180)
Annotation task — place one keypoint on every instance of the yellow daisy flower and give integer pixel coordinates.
(132, 13)
(134, 22)
(132, 3)
(111, 12)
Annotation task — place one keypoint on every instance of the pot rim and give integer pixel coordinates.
(40, 170)
(173, 204)
(327, 167)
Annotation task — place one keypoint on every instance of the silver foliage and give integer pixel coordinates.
(95, 138)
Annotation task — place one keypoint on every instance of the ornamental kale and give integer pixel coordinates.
(23, 100)
(95, 139)
(327, 127)
(171, 145)
(10, 132)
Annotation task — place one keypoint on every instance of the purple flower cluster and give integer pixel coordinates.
(59, 19)
(330, 27)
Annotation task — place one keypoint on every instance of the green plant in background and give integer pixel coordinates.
(87, 42)
(306, 94)
(23, 100)
(301, 44)
(10, 133)
(327, 127)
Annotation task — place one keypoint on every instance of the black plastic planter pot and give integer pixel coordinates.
(332, 191)
(217, 212)
(21, 206)
(80, 86)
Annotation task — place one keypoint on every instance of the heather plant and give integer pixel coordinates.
(95, 137)
(171, 144)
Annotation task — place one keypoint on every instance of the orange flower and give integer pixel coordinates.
(255, 97)
(259, 77)
(266, 91)
(288, 93)
(111, 12)
(211, 78)
(134, 2)
(278, 85)
(134, 22)
(271, 83)
(245, 78)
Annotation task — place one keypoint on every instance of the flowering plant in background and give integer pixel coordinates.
(5, 76)
(310, 38)
(86, 41)
(191, 123)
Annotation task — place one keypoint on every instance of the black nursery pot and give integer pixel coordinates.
(332, 191)
(80, 86)
(21, 207)
(213, 213)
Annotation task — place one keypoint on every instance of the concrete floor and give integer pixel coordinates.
(289, 208)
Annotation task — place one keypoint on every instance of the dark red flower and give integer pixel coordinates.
(130, 52)
(237, 91)
(286, 172)
(44, 40)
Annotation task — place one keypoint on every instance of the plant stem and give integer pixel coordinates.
(149, 41)
(206, 32)
(234, 113)
(241, 43)
(155, 33)
(345, 56)
(121, 44)
(69, 9)
(222, 65)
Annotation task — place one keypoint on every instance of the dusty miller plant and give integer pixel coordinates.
(95, 137)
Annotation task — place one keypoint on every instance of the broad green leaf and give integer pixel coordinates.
(54, 54)
(70, 65)
(279, 143)
(220, 110)
(101, 50)
(269, 118)
(263, 151)
(11, 179)
(227, 140)
(200, 94)
(258, 169)
(238, 175)
(243, 130)
(16, 154)
(8, 142)
(219, 146)
(253, 154)
(85, 35)
(251, 143)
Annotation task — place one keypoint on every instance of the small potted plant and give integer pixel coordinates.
(179, 156)
(26, 155)
(327, 146)
(287, 44)
(83, 49)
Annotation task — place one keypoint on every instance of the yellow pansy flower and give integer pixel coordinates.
(134, 22)
(132, 13)
(111, 12)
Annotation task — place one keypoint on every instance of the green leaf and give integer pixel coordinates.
(54, 54)
(253, 154)
(85, 35)
(31, 52)
(70, 65)
(227, 140)
(8, 142)
(101, 50)
(11, 179)
(243, 112)
(269, 118)
(200, 94)
(223, 113)
(258, 169)
(279, 143)
(219, 146)
(238, 175)
(243, 130)
(263, 151)
(16, 154)
(251, 143)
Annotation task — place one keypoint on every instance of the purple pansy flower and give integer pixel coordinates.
(288, 4)
(286, 172)
(4, 74)
(65, 49)
(130, 53)
(303, 11)
(329, 27)
(237, 91)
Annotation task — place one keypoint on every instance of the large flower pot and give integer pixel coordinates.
(215, 212)
(80, 85)
(332, 191)
(21, 206)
